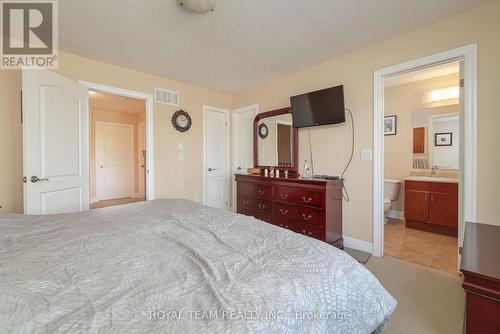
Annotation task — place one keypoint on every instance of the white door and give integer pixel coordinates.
(114, 160)
(141, 154)
(55, 143)
(242, 143)
(216, 157)
(461, 157)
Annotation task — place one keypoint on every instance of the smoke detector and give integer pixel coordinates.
(199, 6)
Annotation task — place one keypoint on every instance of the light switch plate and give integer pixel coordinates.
(366, 154)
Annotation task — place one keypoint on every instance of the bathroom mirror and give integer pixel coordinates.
(436, 138)
(275, 140)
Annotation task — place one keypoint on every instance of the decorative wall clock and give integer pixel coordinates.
(263, 131)
(181, 121)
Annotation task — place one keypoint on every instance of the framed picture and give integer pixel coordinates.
(390, 125)
(443, 139)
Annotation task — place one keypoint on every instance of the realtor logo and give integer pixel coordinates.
(29, 34)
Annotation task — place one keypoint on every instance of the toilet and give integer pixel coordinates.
(391, 193)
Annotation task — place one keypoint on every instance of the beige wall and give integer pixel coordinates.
(355, 71)
(173, 178)
(402, 101)
(100, 115)
(11, 166)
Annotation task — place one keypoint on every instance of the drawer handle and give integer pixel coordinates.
(307, 200)
(245, 203)
(306, 233)
(245, 189)
(306, 218)
(262, 206)
(262, 192)
(283, 212)
(284, 196)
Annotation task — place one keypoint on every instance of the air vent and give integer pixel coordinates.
(166, 96)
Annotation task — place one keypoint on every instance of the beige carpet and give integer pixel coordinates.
(429, 301)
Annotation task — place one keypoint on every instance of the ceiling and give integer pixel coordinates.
(112, 102)
(242, 43)
(424, 74)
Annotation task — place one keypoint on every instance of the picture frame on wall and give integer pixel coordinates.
(390, 125)
(443, 139)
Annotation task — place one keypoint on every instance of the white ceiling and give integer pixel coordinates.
(243, 42)
(113, 102)
(428, 73)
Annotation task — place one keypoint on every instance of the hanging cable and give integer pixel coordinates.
(345, 193)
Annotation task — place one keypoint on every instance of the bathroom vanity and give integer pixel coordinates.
(431, 204)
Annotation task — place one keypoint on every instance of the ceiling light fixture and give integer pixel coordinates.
(199, 6)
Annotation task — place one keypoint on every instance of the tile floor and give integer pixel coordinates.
(112, 202)
(424, 248)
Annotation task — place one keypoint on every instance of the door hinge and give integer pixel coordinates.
(462, 83)
(460, 249)
(21, 107)
(25, 179)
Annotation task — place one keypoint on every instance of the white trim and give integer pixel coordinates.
(148, 99)
(131, 162)
(468, 168)
(206, 108)
(357, 244)
(395, 214)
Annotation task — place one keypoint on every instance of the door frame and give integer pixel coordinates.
(131, 162)
(468, 138)
(141, 193)
(148, 100)
(206, 108)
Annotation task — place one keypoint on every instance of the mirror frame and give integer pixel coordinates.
(295, 140)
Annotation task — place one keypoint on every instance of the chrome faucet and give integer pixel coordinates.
(433, 170)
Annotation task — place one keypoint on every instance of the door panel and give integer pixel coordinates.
(216, 158)
(114, 160)
(242, 143)
(55, 143)
(444, 209)
(417, 206)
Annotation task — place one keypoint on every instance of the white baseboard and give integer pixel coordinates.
(94, 200)
(357, 244)
(396, 214)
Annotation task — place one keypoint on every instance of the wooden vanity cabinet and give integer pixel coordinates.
(432, 206)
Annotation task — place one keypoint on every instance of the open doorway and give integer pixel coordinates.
(467, 161)
(421, 166)
(117, 147)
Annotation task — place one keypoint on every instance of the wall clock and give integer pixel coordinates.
(181, 121)
(263, 131)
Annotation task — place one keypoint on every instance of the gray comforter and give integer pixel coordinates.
(174, 266)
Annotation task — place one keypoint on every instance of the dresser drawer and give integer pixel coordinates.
(257, 215)
(259, 205)
(255, 190)
(303, 214)
(298, 196)
(313, 231)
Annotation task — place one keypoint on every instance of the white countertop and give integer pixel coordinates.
(432, 179)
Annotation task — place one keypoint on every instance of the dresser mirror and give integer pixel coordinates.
(275, 140)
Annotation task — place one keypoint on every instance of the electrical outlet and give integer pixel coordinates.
(366, 154)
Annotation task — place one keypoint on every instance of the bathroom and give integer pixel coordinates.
(421, 166)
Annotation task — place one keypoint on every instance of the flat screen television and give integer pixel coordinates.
(321, 107)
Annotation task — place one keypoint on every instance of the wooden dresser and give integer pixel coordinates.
(309, 207)
(481, 269)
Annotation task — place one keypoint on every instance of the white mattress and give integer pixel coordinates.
(174, 266)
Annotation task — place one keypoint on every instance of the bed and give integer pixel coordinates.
(175, 266)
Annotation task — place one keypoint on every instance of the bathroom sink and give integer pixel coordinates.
(432, 179)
